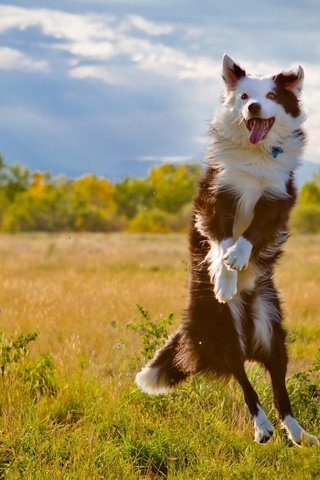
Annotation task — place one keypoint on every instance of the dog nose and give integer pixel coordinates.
(254, 108)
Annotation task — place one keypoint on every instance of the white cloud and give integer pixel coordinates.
(11, 59)
(177, 158)
(151, 28)
(87, 36)
(88, 49)
(167, 158)
(109, 76)
(174, 63)
(55, 23)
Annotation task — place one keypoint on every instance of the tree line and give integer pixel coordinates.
(306, 214)
(36, 201)
(162, 202)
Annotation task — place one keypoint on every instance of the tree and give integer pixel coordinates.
(310, 193)
(14, 179)
(306, 215)
(306, 219)
(131, 195)
(173, 186)
(38, 201)
(93, 205)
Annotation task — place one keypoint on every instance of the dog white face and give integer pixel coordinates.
(257, 109)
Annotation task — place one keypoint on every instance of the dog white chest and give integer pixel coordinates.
(249, 180)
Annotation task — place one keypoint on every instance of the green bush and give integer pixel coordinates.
(150, 221)
(153, 333)
(14, 349)
(306, 219)
(155, 220)
(41, 378)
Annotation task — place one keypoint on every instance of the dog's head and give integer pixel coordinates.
(261, 109)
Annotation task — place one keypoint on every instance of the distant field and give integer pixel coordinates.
(79, 291)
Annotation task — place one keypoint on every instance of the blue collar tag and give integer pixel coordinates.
(275, 151)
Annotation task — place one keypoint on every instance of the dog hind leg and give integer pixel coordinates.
(262, 427)
(277, 366)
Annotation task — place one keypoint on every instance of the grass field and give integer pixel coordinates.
(76, 413)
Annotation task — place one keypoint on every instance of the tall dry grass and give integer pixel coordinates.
(79, 291)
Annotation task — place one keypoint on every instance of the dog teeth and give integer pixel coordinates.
(265, 123)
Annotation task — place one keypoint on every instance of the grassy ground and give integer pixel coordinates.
(76, 413)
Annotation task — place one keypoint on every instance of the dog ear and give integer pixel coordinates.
(292, 81)
(231, 72)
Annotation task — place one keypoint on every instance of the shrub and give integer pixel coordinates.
(150, 221)
(41, 378)
(306, 219)
(153, 332)
(12, 350)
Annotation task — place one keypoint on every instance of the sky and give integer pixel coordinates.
(113, 87)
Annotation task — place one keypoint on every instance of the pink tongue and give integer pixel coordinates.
(256, 134)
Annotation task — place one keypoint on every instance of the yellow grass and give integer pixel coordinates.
(79, 291)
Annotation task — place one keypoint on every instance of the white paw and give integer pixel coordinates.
(308, 440)
(296, 433)
(263, 429)
(263, 434)
(238, 256)
(225, 286)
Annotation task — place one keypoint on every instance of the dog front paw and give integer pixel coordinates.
(237, 257)
(225, 284)
(263, 429)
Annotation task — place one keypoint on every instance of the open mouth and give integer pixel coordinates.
(258, 128)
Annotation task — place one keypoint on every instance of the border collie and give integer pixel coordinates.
(239, 225)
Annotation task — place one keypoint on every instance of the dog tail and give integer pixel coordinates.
(163, 373)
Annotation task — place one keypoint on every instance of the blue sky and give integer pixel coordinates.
(115, 86)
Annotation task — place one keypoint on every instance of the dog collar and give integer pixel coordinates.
(275, 151)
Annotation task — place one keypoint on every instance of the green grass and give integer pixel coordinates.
(69, 407)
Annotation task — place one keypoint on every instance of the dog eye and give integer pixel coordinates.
(244, 96)
(271, 96)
